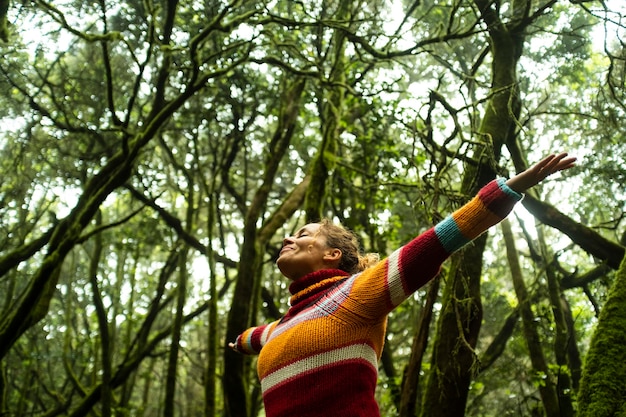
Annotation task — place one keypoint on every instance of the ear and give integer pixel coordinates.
(332, 255)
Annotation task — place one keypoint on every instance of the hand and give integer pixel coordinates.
(540, 171)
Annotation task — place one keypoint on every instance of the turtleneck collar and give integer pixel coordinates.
(313, 283)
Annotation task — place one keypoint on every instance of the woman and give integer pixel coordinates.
(321, 358)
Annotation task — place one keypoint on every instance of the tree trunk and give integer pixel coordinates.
(573, 354)
(177, 328)
(210, 374)
(103, 324)
(331, 109)
(172, 357)
(603, 384)
(410, 382)
(561, 337)
(454, 359)
(237, 400)
(545, 382)
(454, 362)
(496, 347)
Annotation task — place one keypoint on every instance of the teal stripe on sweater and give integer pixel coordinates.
(450, 235)
(508, 190)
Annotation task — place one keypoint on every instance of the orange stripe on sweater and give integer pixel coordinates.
(313, 337)
(465, 218)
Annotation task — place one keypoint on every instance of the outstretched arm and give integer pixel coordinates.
(540, 171)
(252, 340)
(411, 266)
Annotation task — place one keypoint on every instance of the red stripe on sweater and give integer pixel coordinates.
(492, 193)
(255, 339)
(314, 393)
(424, 256)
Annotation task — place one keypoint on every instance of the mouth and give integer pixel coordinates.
(285, 249)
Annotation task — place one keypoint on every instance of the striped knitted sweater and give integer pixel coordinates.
(321, 358)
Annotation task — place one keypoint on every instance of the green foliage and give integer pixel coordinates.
(186, 106)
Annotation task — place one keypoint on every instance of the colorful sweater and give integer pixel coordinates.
(321, 358)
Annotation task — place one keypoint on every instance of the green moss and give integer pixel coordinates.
(603, 385)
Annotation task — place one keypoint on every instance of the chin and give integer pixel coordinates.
(282, 271)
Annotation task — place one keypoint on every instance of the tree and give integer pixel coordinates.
(154, 155)
(602, 391)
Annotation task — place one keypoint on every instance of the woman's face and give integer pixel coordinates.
(306, 252)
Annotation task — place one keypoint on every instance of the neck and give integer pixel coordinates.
(310, 285)
(313, 278)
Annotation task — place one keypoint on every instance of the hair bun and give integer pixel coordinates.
(368, 260)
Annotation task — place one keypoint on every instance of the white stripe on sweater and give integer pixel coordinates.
(363, 352)
(394, 281)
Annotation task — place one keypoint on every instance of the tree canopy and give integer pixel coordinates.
(154, 154)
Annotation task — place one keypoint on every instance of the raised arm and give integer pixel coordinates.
(386, 285)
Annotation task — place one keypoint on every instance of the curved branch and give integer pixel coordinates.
(585, 237)
(24, 252)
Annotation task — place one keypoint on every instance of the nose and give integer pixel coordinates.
(288, 240)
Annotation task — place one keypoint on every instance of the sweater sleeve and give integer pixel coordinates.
(253, 339)
(378, 290)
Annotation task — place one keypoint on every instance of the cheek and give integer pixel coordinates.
(315, 247)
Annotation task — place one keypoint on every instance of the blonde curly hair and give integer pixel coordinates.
(347, 242)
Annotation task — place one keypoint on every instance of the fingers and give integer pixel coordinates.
(560, 162)
(566, 163)
(555, 163)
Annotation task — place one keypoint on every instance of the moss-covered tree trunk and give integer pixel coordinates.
(246, 293)
(603, 384)
(454, 361)
(331, 108)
